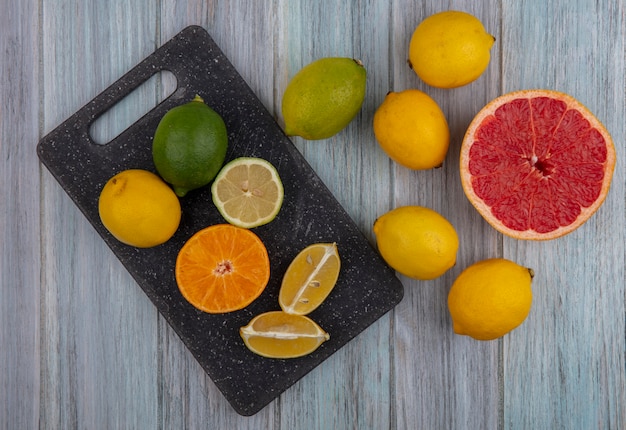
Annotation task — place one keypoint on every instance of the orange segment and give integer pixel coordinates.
(309, 279)
(536, 164)
(222, 268)
(277, 334)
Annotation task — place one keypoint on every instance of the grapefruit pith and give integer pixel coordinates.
(536, 164)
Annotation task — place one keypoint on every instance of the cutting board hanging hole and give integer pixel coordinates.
(135, 105)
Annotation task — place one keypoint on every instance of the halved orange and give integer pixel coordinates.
(536, 164)
(277, 334)
(222, 268)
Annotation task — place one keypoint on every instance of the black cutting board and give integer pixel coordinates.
(366, 289)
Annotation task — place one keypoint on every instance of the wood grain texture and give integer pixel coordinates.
(20, 223)
(94, 375)
(81, 346)
(566, 365)
(358, 175)
(460, 376)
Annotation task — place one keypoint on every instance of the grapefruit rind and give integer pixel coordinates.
(486, 209)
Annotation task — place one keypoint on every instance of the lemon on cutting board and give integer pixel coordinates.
(139, 209)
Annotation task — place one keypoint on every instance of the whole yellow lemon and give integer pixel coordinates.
(450, 49)
(416, 241)
(490, 298)
(139, 209)
(412, 129)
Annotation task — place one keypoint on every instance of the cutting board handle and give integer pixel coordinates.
(152, 65)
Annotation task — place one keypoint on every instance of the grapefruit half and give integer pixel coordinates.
(536, 164)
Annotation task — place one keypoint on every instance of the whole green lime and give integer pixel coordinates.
(323, 97)
(189, 146)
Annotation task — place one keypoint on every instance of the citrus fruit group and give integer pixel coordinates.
(416, 241)
(288, 333)
(323, 97)
(490, 298)
(248, 192)
(450, 49)
(277, 334)
(222, 268)
(412, 129)
(309, 279)
(139, 209)
(189, 146)
(536, 164)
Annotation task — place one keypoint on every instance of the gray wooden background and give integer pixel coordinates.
(81, 346)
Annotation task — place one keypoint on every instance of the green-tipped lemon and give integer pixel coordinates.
(323, 98)
(417, 241)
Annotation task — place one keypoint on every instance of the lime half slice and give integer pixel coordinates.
(248, 192)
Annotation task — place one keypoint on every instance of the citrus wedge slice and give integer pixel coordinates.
(248, 192)
(536, 164)
(277, 334)
(222, 268)
(309, 279)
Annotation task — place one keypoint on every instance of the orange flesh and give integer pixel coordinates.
(536, 165)
(222, 268)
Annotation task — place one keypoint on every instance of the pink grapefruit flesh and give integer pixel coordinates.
(536, 164)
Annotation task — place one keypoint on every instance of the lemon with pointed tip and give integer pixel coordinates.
(189, 146)
(490, 298)
(324, 97)
(416, 241)
(139, 209)
(412, 129)
(450, 49)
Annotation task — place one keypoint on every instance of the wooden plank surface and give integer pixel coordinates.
(576, 329)
(81, 346)
(93, 375)
(460, 376)
(359, 177)
(20, 262)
